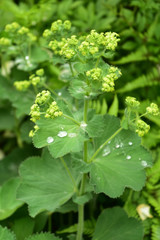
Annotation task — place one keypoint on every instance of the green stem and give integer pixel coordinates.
(103, 145)
(50, 89)
(82, 187)
(70, 174)
(71, 68)
(72, 119)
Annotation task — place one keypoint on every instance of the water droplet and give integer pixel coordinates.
(62, 134)
(109, 142)
(117, 146)
(59, 93)
(144, 164)
(27, 57)
(106, 151)
(83, 125)
(130, 143)
(72, 135)
(128, 157)
(50, 139)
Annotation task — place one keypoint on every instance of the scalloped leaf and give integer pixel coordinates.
(120, 163)
(71, 140)
(6, 234)
(46, 184)
(43, 236)
(113, 224)
(8, 202)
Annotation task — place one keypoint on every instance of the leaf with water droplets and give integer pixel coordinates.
(46, 184)
(117, 164)
(61, 135)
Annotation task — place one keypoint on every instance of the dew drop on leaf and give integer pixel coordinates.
(59, 94)
(130, 143)
(50, 139)
(106, 151)
(117, 146)
(62, 134)
(83, 125)
(128, 157)
(72, 135)
(144, 163)
(27, 57)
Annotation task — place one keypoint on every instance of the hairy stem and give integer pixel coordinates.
(82, 187)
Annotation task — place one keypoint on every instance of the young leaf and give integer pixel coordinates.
(114, 224)
(120, 163)
(6, 234)
(45, 185)
(23, 227)
(8, 202)
(113, 110)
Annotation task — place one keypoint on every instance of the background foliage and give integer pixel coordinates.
(138, 57)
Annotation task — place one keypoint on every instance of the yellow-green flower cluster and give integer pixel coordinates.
(12, 27)
(32, 132)
(94, 73)
(35, 112)
(98, 41)
(16, 30)
(56, 27)
(108, 80)
(132, 102)
(142, 128)
(153, 109)
(59, 25)
(42, 97)
(34, 79)
(22, 85)
(53, 111)
(65, 47)
(86, 48)
(5, 41)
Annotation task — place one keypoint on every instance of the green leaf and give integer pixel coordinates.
(72, 141)
(6, 234)
(38, 54)
(43, 236)
(113, 224)
(9, 165)
(149, 79)
(95, 126)
(23, 227)
(8, 202)
(46, 184)
(138, 55)
(22, 101)
(120, 163)
(113, 110)
(7, 119)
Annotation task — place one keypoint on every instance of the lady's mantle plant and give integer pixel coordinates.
(84, 153)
